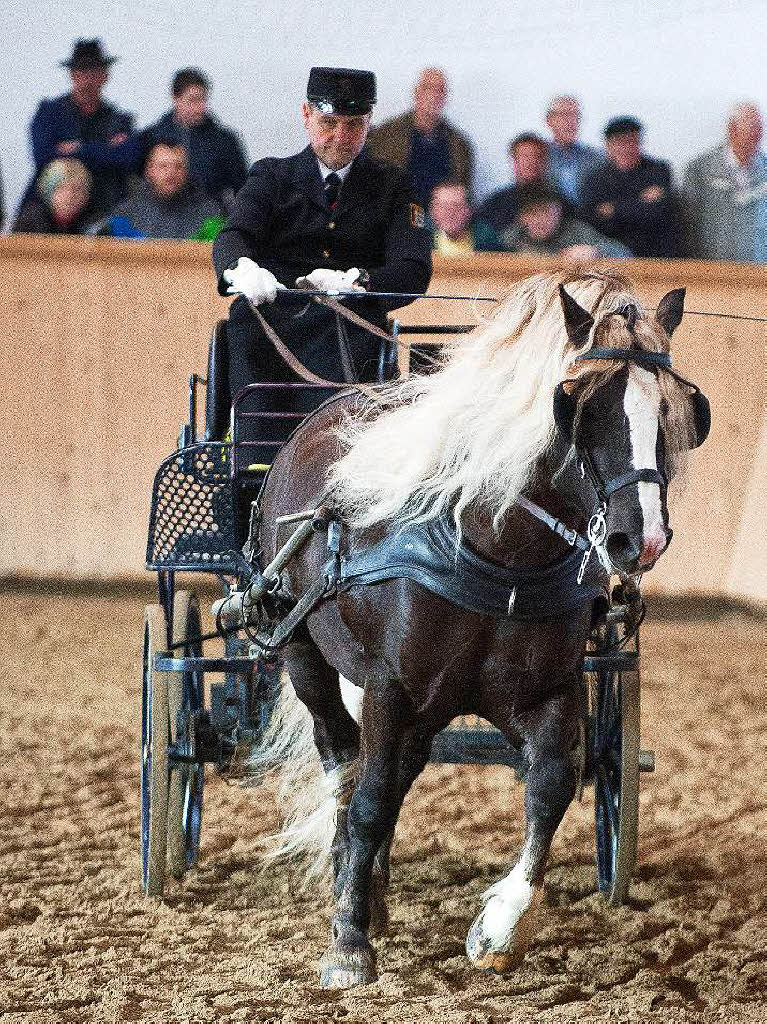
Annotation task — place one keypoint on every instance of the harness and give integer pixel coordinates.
(429, 553)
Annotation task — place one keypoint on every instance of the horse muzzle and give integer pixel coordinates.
(633, 553)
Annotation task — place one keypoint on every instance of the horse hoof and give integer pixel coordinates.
(350, 961)
(503, 951)
(479, 951)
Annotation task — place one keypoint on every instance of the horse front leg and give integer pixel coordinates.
(503, 930)
(350, 959)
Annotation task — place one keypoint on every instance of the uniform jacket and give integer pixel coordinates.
(61, 120)
(390, 141)
(152, 216)
(216, 156)
(280, 219)
(648, 229)
(724, 221)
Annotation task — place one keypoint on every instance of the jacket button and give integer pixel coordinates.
(332, 224)
(325, 254)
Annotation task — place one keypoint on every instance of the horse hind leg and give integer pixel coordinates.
(310, 802)
(504, 928)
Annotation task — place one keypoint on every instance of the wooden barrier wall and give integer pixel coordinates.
(100, 337)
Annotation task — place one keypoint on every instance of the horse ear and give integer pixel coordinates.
(564, 412)
(670, 310)
(577, 321)
(701, 410)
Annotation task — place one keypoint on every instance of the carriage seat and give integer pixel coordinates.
(218, 401)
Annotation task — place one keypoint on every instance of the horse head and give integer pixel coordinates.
(629, 418)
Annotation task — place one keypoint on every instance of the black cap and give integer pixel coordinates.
(537, 193)
(341, 90)
(622, 125)
(86, 55)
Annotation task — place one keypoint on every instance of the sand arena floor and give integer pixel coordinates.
(232, 942)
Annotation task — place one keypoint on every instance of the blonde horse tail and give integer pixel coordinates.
(307, 797)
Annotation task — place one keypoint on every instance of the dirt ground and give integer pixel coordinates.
(235, 942)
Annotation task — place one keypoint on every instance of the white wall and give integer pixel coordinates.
(678, 66)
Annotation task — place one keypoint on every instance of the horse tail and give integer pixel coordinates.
(306, 795)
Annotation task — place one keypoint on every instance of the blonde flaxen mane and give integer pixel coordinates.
(476, 428)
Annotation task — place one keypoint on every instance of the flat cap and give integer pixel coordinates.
(622, 125)
(341, 90)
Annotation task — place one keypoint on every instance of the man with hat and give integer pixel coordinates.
(630, 196)
(331, 218)
(80, 124)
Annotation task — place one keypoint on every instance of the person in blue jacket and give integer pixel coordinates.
(82, 125)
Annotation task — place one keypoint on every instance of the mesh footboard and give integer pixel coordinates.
(191, 521)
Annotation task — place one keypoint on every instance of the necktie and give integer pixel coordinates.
(332, 188)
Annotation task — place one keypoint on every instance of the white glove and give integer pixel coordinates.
(330, 280)
(255, 283)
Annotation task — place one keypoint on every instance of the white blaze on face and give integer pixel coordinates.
(641, 403)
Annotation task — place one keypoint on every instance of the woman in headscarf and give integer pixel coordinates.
(61, 204)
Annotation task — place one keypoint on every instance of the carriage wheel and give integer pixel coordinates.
(155, 735)
(185, 698)
(614, 722)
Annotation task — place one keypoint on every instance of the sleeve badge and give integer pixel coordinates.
(417, 216)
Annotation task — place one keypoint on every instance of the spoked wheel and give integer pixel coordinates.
(185, 699)
(155, 736)
(615, 761)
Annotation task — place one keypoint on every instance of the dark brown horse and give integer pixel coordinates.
(511, 415)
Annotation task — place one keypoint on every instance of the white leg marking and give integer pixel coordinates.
(351, 695)
(505, 903)
(641, 404)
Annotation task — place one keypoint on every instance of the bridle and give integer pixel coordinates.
(596, 529)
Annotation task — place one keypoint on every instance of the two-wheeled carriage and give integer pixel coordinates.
(199, 523)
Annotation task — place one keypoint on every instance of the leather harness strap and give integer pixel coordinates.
(295, 364)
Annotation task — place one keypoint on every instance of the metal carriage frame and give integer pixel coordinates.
(197, 525)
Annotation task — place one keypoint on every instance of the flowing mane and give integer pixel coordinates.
(477, 427)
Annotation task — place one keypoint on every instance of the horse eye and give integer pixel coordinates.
(663, 410)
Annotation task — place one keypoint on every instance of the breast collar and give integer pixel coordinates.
(429, 554)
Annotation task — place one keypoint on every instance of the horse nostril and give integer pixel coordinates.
(622, 549)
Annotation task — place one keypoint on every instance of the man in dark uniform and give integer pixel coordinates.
(331, 218)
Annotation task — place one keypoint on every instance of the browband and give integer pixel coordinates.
(634, 355)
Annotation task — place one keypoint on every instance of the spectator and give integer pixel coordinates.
(216, 157)
(82, 125)
(423, 142)
(630, 197)
(455, 228)
(570, 161)
(528, 154)
(61, 204)
(725, 194)
(167, 204)
(542, 228)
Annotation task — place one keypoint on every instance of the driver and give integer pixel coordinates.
(330, 217)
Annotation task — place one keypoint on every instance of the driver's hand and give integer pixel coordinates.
(331, 280)
(255, 283)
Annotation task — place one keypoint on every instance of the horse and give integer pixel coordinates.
(562, 403)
